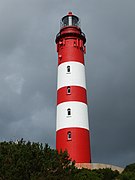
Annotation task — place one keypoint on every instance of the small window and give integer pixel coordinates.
(69, 135)
(68, 69)
(74, 44)
(68, 90)
(69, 112)
(60, 57)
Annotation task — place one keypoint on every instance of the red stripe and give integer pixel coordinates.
(77, 93)
(79, 145)
(69, 52)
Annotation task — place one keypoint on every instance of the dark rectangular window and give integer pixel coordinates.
(69, 137)
(68, 69)
(69, 112)
(68, 90)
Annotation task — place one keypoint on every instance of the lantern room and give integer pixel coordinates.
(70, 20)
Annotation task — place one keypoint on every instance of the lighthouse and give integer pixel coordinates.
(72, 124)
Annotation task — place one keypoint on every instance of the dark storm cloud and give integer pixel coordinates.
(111, 82)
(28, 65)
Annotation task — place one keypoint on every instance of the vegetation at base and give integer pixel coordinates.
(32, 161)
(128, 173)
(35, 161)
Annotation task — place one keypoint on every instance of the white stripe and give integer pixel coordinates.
(78, 117)
(76, 76)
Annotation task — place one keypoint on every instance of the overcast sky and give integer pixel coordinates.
(28, 72)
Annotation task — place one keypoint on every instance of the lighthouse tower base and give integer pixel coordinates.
(98, 166)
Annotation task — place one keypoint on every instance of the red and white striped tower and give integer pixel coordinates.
(72, 126)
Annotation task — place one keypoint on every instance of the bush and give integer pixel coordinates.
(85, 174)
(32, 161)
(128, 173)
(130, 168)
(35, 161)
(107, 174)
